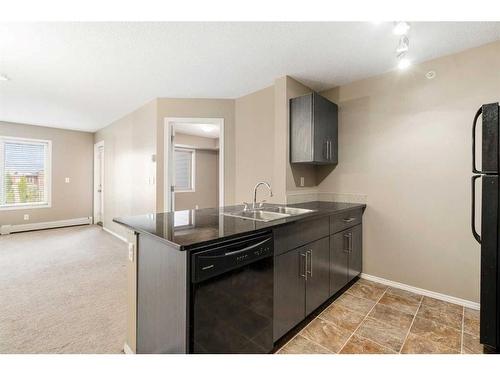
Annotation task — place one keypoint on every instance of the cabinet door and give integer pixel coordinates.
(325, 130)
(318, 273)
(355, 251)
(339, 261)
(289, 291)
(301, 136)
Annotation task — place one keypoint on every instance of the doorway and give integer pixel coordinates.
(99, 183)
(194, 163)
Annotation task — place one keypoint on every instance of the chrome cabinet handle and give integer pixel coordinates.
(348, 236)
(310, 272)
(304, 275)
(330, 150)
(349, 220)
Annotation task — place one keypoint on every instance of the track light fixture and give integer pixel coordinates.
(401, 28)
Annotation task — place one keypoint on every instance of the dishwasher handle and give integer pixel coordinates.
(218, 260)
(246, 248)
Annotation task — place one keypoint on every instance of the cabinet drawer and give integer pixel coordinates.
(300, 233)
(345, 220)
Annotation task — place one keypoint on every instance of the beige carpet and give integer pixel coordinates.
(62, 291)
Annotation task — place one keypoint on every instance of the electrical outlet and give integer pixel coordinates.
(302, 181)
(66, 180)
(131, 252)
(26, 217)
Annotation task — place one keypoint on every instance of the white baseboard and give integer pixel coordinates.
(115, 234)
(7, 229)
(424, 292)
(127, 349)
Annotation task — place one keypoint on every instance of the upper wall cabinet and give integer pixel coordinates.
(313, 130)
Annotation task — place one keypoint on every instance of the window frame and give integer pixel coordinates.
(47, 170)
(192, 188)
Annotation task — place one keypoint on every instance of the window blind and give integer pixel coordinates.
(23, 172)
(183, 160)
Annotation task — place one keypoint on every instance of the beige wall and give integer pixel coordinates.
(129, 185)
(254, 144)
(204, 108)
(72, 155)
(262, 143)
(206, 169)
(405, 141)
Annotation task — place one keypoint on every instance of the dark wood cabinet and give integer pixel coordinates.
(314, 259)
(301, 284)
(355, 252)
(313, 130)
(300, 233)
(339, 264)
(346, 257)
(289, 290)
(318, 274)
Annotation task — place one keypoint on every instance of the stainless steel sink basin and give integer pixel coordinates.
(268, 213)
(292, 211)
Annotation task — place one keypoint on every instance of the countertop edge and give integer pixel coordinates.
(271, 226)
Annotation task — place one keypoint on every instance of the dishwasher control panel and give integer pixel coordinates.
(217, 260)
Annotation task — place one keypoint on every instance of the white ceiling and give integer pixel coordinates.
(200, 130)
(86, 75)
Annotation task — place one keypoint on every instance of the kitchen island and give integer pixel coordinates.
(281, 271)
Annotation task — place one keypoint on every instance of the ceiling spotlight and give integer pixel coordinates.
(404, 63)
(401, 28)
(3, 77)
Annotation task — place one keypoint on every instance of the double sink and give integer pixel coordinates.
(268, 213)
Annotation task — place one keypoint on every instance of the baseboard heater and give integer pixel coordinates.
(8, 229)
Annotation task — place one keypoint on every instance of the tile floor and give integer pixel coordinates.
(373, 318)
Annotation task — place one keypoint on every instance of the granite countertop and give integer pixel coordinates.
(188, 229)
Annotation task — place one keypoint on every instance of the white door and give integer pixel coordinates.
(99, 183)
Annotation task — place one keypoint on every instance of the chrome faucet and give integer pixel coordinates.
(254, 206)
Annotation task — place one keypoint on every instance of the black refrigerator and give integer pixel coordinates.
(489, 237)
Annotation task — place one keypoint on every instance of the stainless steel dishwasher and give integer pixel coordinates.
(232, 297)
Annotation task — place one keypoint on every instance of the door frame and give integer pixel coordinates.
(97, 170)
(168, 177)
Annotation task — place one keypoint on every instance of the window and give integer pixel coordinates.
(184, 169)
(24, 173)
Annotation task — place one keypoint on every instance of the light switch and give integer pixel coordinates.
(26, 216)
(66, 180)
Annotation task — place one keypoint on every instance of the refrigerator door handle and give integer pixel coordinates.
(474, 125)
(473, 208)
